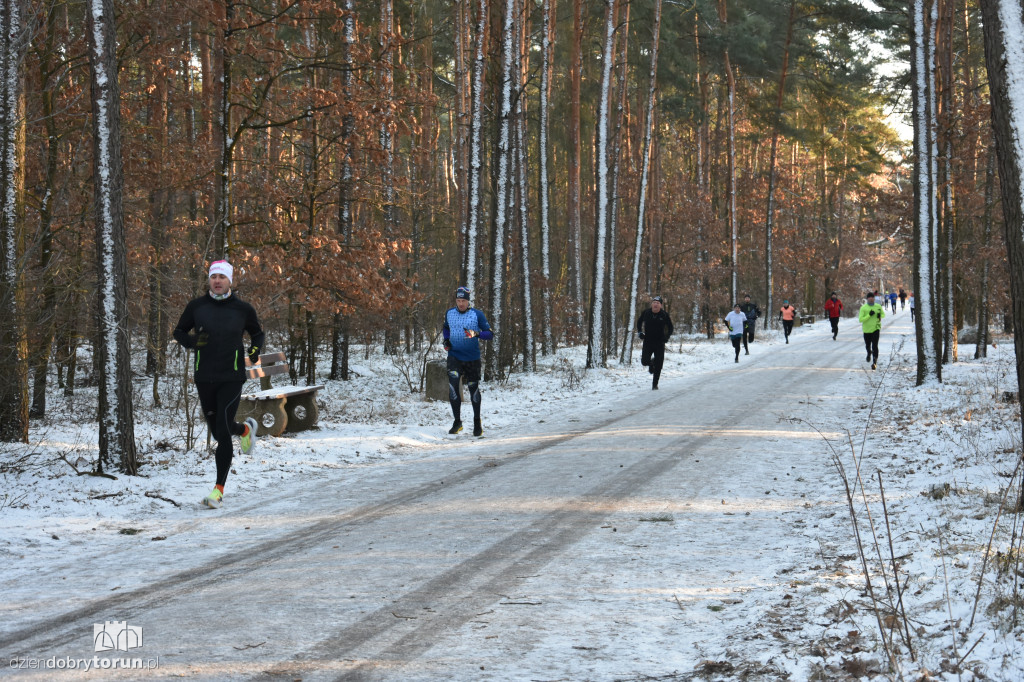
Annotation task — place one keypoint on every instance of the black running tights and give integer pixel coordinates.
(219, 400)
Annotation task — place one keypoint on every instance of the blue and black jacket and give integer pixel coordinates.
(454, 332)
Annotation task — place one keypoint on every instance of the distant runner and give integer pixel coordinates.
(752, 312)
(735, 321)
(892, 301)
(834, 309)
(786, 314)
(910, 302)
(654, 326)
(903, 299)
(464, 326)
(218, 321)
(870, 317)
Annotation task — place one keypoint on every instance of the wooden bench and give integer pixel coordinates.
(292, 408)
(806, 319)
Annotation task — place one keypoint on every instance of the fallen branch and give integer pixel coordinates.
(97, 473)
(161, 497)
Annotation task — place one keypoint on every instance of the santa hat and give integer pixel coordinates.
(221, 267)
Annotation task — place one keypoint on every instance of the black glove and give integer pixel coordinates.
(254, 355)
(641, 335)
(447, 345)
(202, 338)
(871, 313)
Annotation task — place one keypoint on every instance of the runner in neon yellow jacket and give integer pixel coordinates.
(870, 317)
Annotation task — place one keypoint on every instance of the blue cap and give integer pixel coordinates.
(462, 292)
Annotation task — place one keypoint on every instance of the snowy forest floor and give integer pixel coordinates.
(626, 606)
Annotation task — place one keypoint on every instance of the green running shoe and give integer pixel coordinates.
(213, 499)
(248, 439)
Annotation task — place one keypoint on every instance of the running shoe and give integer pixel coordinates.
(213, 499)
(248, 440)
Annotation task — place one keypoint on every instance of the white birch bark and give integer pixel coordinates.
(596, 354)
(547, 46)
(117, 430)
(476, 148)
(645, 170)
(924, 195)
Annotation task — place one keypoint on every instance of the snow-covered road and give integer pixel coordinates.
(639, 540)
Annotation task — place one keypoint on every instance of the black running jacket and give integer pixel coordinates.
(214, 330)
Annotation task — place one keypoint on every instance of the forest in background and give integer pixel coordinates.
(566, 160)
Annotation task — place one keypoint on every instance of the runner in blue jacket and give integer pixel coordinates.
(464, 326)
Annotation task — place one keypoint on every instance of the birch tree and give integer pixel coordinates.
(596, 353)
(14, 400)
(116, 425)
(1004, 57)
(645, 170)
(928, 360)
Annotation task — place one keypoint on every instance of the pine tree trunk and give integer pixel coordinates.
(46, 322)
(613, 213)
(769, 220)
(346, 173)
(981, 347)
(1004, 57)
(596, 349)
(504, 187)
(575, 164)
(946, 120)
(645, 169)
(522, 170)
(474, 212)
(14, 399)
(116, 421)
(547, 50)
(223, 140)
(386, 82)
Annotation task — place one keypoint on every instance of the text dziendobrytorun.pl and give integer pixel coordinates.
(84, 664)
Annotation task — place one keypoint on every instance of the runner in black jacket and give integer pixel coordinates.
(654, 327)
(213, 325)
(752, 311)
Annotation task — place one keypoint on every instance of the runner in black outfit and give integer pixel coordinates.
(752, 312)
(213, 325)
(654, 327)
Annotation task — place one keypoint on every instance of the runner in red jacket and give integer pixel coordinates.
(834, 308)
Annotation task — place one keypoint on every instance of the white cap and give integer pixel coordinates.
(221, 267)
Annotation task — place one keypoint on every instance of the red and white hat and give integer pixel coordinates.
(221, 267)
